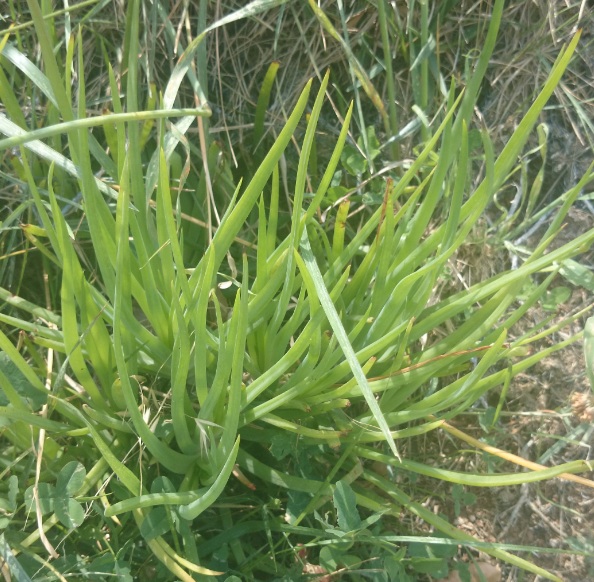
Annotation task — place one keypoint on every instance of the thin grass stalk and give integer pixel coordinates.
(424, 96)
(444, 526)
(390, 78)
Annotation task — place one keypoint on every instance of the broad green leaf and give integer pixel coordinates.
(13, 489)
(13, 566)
(69, 511)
(345, 503)
(553, 298)
(17, 382)
(70, 479)
(297, 501)
(46, 494)
(156, 523)
(395, 569)
(108, 566)
(159, 520)
(577, 274)
(282, 445)
(461, 498)
(436, 567)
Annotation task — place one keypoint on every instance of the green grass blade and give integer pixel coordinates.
(95, 121)
(444, 526)
(195, 508)
(123, 341)
(336, 324)
(185, 61)
(229, 228)
(7, 127)
(589, 350)
(263, 101)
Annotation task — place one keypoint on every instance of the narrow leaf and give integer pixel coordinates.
(193, 510)
(343, 339)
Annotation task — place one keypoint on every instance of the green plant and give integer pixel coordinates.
(589, 350)
(226, 403)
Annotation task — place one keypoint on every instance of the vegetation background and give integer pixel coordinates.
(251, 333)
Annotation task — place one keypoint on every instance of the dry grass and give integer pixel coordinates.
(531, 35)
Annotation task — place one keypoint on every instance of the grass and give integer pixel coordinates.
(224, 358)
